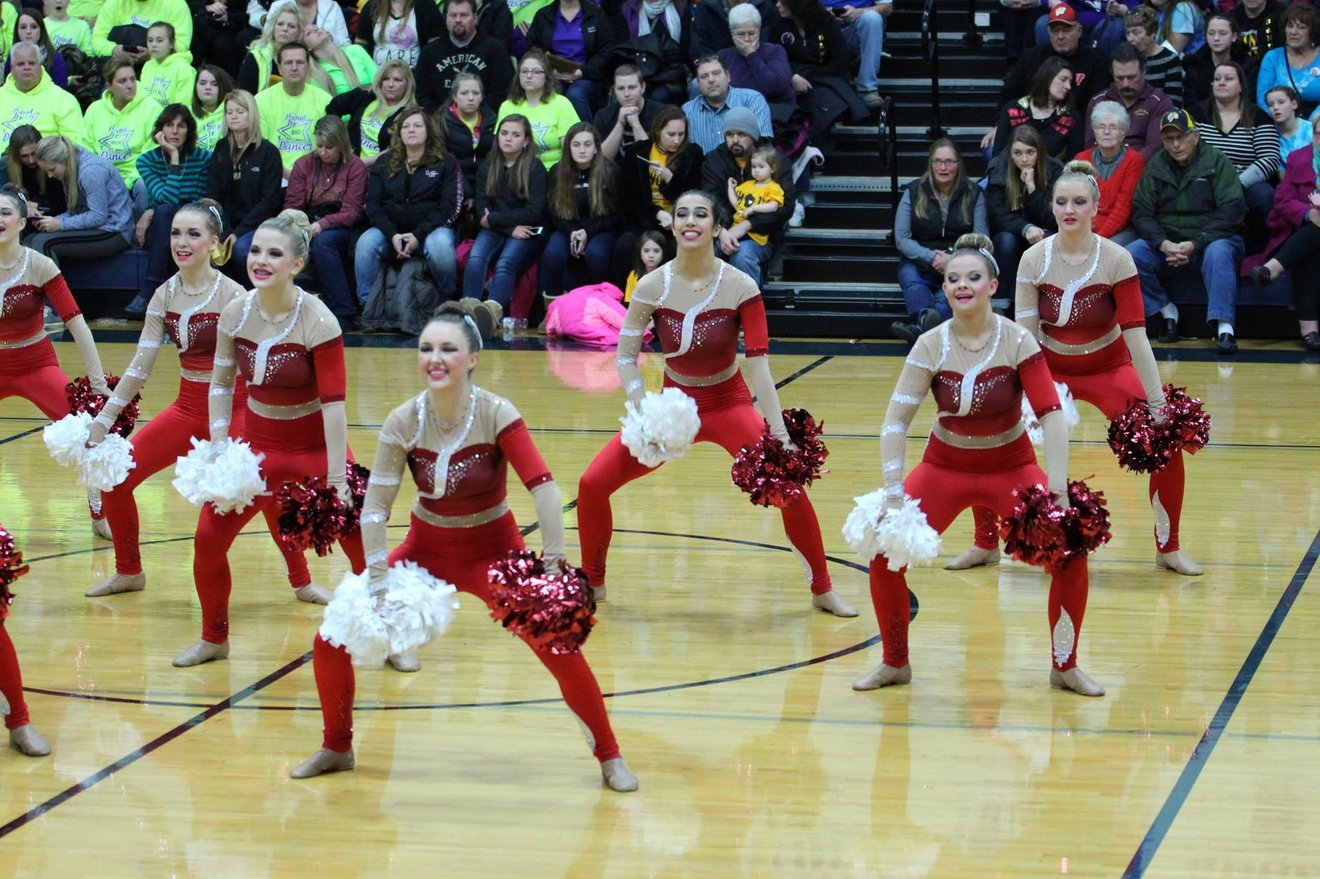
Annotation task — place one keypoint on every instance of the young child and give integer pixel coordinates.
(168, 76)
(650, 253)
(761, 194)
(66, 31)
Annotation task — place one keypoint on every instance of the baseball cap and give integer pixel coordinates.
(1179, 119)
(1063, 13)
(743, 120)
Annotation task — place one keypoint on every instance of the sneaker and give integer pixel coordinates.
(1226, 343)
(799, 215)
(871, 98)
(52, 321)
(907, 332)
(1311, 342)
(137, 308)
(929, 319)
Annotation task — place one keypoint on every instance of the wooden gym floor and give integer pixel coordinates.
(730, 697)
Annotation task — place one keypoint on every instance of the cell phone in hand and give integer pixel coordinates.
(536, 230)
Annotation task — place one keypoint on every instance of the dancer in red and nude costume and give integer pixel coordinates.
(184, 310)
(290, 351)
(700, 305)
(28, 365)
(1078, 293)
(457, 441)
(22, 736)
(977, 365)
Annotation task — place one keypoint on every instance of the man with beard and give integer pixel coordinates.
(1144, 103)
(705, 113)
(462, 48)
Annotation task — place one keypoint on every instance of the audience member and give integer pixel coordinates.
(710, 24)
(1258, 27)
(1188, 211)
(627, 117)
(1145, 105)
(387, 34)
(370, 111)
(44, 194)
(652, 174)
(1102, 23)
(863, 24)
(820, 62)
(463, 48)
(1017, 196)
(578, 38)
(583, 211)
(1293, 133)
(220, 34)
(414, 195)
(1297, 62)
(1221, 44)
(329, 185)
(469, 130)
(1118, 167)
(1181, 26)
(705, 113)
(64, 29)
(325, 14)
(168, 76)
(98, 218)
(649, 255)
(661, 29)
(1163, 68)
(1090, 71)
(291, 107)
(120, 20)
(260, 68)
(29, 97)
(208, 103)
(1046, 107)
(1019, 18)
(245, 177)
(936, 209)
(30, 27)
(535, 95)
(753, 64)
(338, 69)
(118, 126)
(495, 20)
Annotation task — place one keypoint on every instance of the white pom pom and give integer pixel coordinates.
(227, 475)
(107, 465)
(1071, 416)
(417, 608)
(903, 535)
(663, 430)
(66, 439)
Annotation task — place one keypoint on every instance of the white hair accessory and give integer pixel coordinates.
(467, 319)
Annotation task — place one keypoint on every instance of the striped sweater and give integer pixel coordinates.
(1164, 71)
(1252, 149)
(178, 184)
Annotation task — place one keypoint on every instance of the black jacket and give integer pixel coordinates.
(822, 51)
(635, 182)
(441, 60)
(593, 226)
(1035, 209)
(597, 36)
(495, 20)
(1091, 74)
(506, 211)
(354, 104)
(250, 189)
(940, 230)
(420, 202)
(719, 165)
(458, 140)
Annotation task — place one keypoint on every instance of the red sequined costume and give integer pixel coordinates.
(293, 369)
(978, 452)
(700, 344)
(457, 531)
(1091, 323)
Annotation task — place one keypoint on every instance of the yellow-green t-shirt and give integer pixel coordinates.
(287, 121)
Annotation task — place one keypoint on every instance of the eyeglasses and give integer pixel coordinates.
(532, 72)
(1108, 127)
(944, 163)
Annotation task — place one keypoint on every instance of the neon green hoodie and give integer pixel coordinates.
(170, 81)
(364, 67)
(120, 136)
(208, 127)
(74, 32)
(50, 108)
(140, 12)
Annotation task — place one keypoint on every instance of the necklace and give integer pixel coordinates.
(274, 319)
(444, 454)
(1077, 259)
(978, 349)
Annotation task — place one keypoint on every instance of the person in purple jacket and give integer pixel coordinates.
(755, 65)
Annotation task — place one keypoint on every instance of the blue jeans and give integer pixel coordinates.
(582, 94)
(242, 244)
(438, 248)
(561, 271)
(866, 40)
(160, 265)
(327, 257)
(920, 291)
(1008, 252)
(1218, 268)
(749, 257)
(510, 256)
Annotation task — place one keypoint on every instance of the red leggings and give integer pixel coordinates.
(34, 373)
(727, 419)
(294, 450)
(1111, 392)
(11, 682)
(943, 493)
(462, 556)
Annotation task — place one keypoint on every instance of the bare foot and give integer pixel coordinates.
(117, 583)
(883, 676)
(201, 652)
(1076, 680)
(973, 558)
(1179, 562)
(618, 776)
(830, 602)
(324, 761)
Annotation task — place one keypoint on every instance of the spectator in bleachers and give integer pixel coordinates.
(1019, 18)
(168, 76)
(535, 95)
(1297, 62)
(469, 130)
(260, 68)
(1232, 124)
(98, 217)
(748, 242)
(1180, 25)
(936, 209)
(387, 34)
(325, 14)
(1188, 211)
(863, 24)
(652, 174)
(649, 257)
(576, 32)
(820, 62)
(1293, 133)
(710, 24)
(414, 195)
(754, 64)
(1102, 22)
(245, 177)
(208, 103)
(124, 23)
(21, 168)
(338, 69)
(370, 111)
(1046, 107)
(8, 18)
(30, 27)
(329, 185)
(1163, 67)
(173, 174)
(1017, 196)
(1090, 71)
(29, 97)
(1118, 167)
(64, 29)
(627, 117)
(1221, 44)
(1145, 105)
(705, 113)
(663, 28)
(118, 126)
(290, 108)
(1258, 27)
(463, 48)
(495, 20)
(220, 34)
(583, 211)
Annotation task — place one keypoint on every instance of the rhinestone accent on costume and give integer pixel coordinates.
(185, 316)
(893, 430)
(1065, 638)
(689, 336)
(1163, 524)
(374, 479)
(969, 394)
(920, 364)
(9, 282)
(374, 518)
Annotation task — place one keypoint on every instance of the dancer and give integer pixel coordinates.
(28, 365)
(458, 441)
(702, 362)
(289, 349)
(22, 737)
(1079, 294)
(977, 365)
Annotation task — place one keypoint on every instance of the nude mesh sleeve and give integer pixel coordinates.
(767, 395)
(1143, 359)
(630, 342)
(1026, 296)
(82, 338)
(135, 376)
(550, 514)
(911, 389)
(334, 421)
(223, 372)
(382, 489)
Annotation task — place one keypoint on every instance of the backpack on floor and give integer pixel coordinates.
(403, 298)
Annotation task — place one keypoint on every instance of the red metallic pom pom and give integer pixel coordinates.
(551, 611)
(774, 475)
(1186, 420)
(311, 515)
(357, 484)
(1042, 534)
(1146, 446)
(82, 398)
(11, 568)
